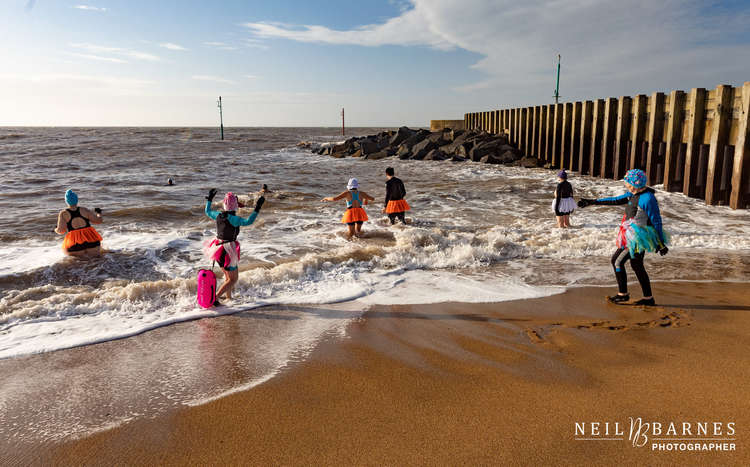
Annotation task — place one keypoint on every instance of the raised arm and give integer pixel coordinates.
(615, 200)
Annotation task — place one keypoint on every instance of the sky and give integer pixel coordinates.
(388, 63)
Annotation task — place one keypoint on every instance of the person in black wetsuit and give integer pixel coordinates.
(563, 204)
(395, 204)
(640, 231)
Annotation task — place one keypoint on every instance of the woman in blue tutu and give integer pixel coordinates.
(640, 231)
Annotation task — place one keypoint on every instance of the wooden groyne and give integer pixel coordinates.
(696, 142)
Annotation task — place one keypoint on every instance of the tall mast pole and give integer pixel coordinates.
(557, 87)
(221, 119)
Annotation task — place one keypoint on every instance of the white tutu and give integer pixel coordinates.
(567, 205)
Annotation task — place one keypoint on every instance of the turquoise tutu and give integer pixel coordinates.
(640, 238)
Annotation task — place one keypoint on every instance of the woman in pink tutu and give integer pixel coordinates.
(225, 249)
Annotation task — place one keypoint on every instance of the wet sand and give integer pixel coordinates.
(471, 384)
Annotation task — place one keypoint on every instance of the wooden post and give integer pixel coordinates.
(674, 138)
(654, 136)
(609, 137)
(566, 135)
(584, 148)
(556, 137)
(512, 127)
(540, 152)
(520, 114)
(575, 137)
(622, 131)
(496, 119)
(739, 199)
(549, 134)
(528, 128)
(597, 130)
(637, 131)
(531, 132)
(719, 139)
(695, 125)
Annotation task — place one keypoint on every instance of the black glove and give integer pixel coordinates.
(211, 194)
(259, 203)
(98, 211)
(663, 251)
(583, 202)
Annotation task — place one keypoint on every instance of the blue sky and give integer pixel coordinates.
(289, 63)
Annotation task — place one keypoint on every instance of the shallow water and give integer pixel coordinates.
(478, 233)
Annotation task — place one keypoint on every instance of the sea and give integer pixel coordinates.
(475, 233)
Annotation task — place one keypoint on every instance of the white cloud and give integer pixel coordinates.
(251, 76)
(97, 57)
(608, 47)
(116, 51)
(216, 79)
(171, 46)
(89, 8)
(220, 45)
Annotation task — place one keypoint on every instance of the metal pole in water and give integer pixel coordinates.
(221, 119)
(343, 128)
(557, 87)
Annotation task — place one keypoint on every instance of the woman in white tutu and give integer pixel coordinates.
(563, 204)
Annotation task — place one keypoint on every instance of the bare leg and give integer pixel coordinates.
(358, 229)
(566, 220)
(351, 231)
(560, 221)
(230, 279)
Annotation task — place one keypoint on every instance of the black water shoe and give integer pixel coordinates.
(645, 302)
(617, 299)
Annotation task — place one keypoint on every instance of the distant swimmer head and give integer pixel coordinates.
(170, 181)
(635, 178)
(562, 174)
(230, 202)
(71, 198)
(353, 184)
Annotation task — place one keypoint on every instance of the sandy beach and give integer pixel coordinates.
(454, 383)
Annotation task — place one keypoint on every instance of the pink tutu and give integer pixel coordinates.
(216, 249)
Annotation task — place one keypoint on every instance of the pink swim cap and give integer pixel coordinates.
(230, 202)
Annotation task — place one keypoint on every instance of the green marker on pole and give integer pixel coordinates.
(221, 119)
(557, 87)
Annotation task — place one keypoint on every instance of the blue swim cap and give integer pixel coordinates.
(71, 198)
(636, 178)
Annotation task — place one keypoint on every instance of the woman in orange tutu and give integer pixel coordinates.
(354, 216)
(75, 223)
(395, 204)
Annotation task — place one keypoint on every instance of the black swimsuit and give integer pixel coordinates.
(84, 245)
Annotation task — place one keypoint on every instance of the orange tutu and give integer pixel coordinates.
(354, 215)
(81, 237)
(397, 206)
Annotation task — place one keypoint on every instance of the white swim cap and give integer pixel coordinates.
(353, 184)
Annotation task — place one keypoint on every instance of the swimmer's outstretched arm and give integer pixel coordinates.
(336, 198)
(366, 197)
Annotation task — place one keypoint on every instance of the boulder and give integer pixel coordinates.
(421, 149)
(508, 157)
(368, 146)
(415, 138)
(458, 159)
(436, 155)
(400, 136)
(489, 159)
(358, 153)
(530, 162)
(403, 152)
